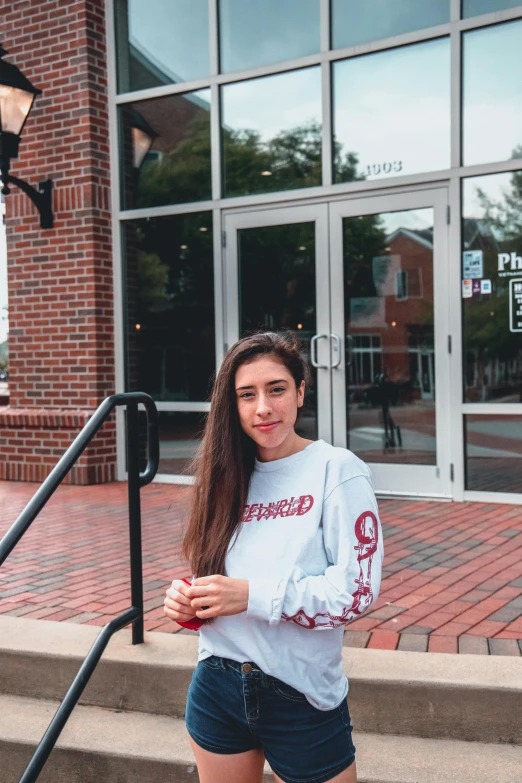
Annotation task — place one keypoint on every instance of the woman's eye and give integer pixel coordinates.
(245, 395)
(278, 389)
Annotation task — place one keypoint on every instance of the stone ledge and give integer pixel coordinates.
(44, 418)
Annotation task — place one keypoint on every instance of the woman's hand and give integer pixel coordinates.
(222, 595)
(177, 605)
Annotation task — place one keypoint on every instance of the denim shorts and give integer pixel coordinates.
(234, 707)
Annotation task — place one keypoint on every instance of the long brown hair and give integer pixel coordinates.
(225, 460)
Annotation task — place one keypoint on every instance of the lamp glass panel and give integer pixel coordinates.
(141, 142)
(15, 105)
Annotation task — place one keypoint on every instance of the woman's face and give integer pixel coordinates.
(267, 401)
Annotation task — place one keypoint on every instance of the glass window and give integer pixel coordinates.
(492, 93)
(491, 274)
(271, 129)
(277, 291)
(165, 150)
(254, 33)
(180, 436)
(391, 112)
(359, 21)
(477, 7)
(169, 305)
(161, 42)
(493, 453)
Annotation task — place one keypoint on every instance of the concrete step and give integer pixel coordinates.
(104, 745)
(420, 694)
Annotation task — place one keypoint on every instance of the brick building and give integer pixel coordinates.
(60, 281)
(225, 165)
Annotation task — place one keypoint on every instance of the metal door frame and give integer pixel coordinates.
(317, 213)
(389, 479)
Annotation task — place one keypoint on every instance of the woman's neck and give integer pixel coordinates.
(292, 444)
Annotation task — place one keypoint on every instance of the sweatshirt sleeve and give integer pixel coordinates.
(354, 547)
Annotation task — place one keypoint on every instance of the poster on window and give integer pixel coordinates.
(472, 264)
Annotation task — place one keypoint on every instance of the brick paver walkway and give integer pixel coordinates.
(452, 577)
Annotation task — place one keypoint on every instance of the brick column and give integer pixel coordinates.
(61, 340)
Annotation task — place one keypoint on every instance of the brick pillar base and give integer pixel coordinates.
(32, 441)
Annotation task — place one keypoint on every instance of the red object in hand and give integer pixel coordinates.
(195, 623)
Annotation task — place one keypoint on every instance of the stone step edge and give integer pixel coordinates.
(175, 651)
(137, 738)
(404, 693)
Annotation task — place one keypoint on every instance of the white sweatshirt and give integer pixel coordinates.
(311, 548)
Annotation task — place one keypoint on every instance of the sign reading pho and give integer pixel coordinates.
(515, 305)
(509, 264)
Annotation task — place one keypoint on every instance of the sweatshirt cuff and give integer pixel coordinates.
(262, 598)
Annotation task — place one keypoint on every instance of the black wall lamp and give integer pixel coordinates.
(17, 95)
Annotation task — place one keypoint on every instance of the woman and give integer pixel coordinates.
(285, 541)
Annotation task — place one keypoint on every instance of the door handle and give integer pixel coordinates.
(349, 350)
(313, 351)
(337, 349)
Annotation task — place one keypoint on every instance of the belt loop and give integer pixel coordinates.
(223, 663)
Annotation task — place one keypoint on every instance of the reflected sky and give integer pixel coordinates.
(476, 7)
(413, 219)
(492, 93)
(358, 21)
(172, 35)
(274, 103)
(495, 186)
(392, 109)
(257, 33)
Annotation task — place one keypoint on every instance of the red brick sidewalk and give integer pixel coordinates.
(452, 577)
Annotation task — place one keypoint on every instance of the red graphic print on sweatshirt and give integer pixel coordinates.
(281, 508)
(367, 534)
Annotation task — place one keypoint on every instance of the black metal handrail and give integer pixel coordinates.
(136, 480)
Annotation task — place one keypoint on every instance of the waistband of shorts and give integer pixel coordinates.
(228, 663)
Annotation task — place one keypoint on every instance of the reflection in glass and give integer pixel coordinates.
(271, 132)
(390, 359)
(254, 33)
(161, 42)
(180, 435)
(492, 93)
(493, 452)
(359, 21)
(477, 7)
(492, 263)
(165, 150)
(277, 291)
(169, 300)
(391, 112)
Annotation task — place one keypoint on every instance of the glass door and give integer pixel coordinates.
(390, 361)
(277, 277)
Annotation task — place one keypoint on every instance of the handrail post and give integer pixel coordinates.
(133, 488)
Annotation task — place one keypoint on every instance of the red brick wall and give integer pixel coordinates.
(61, 340)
